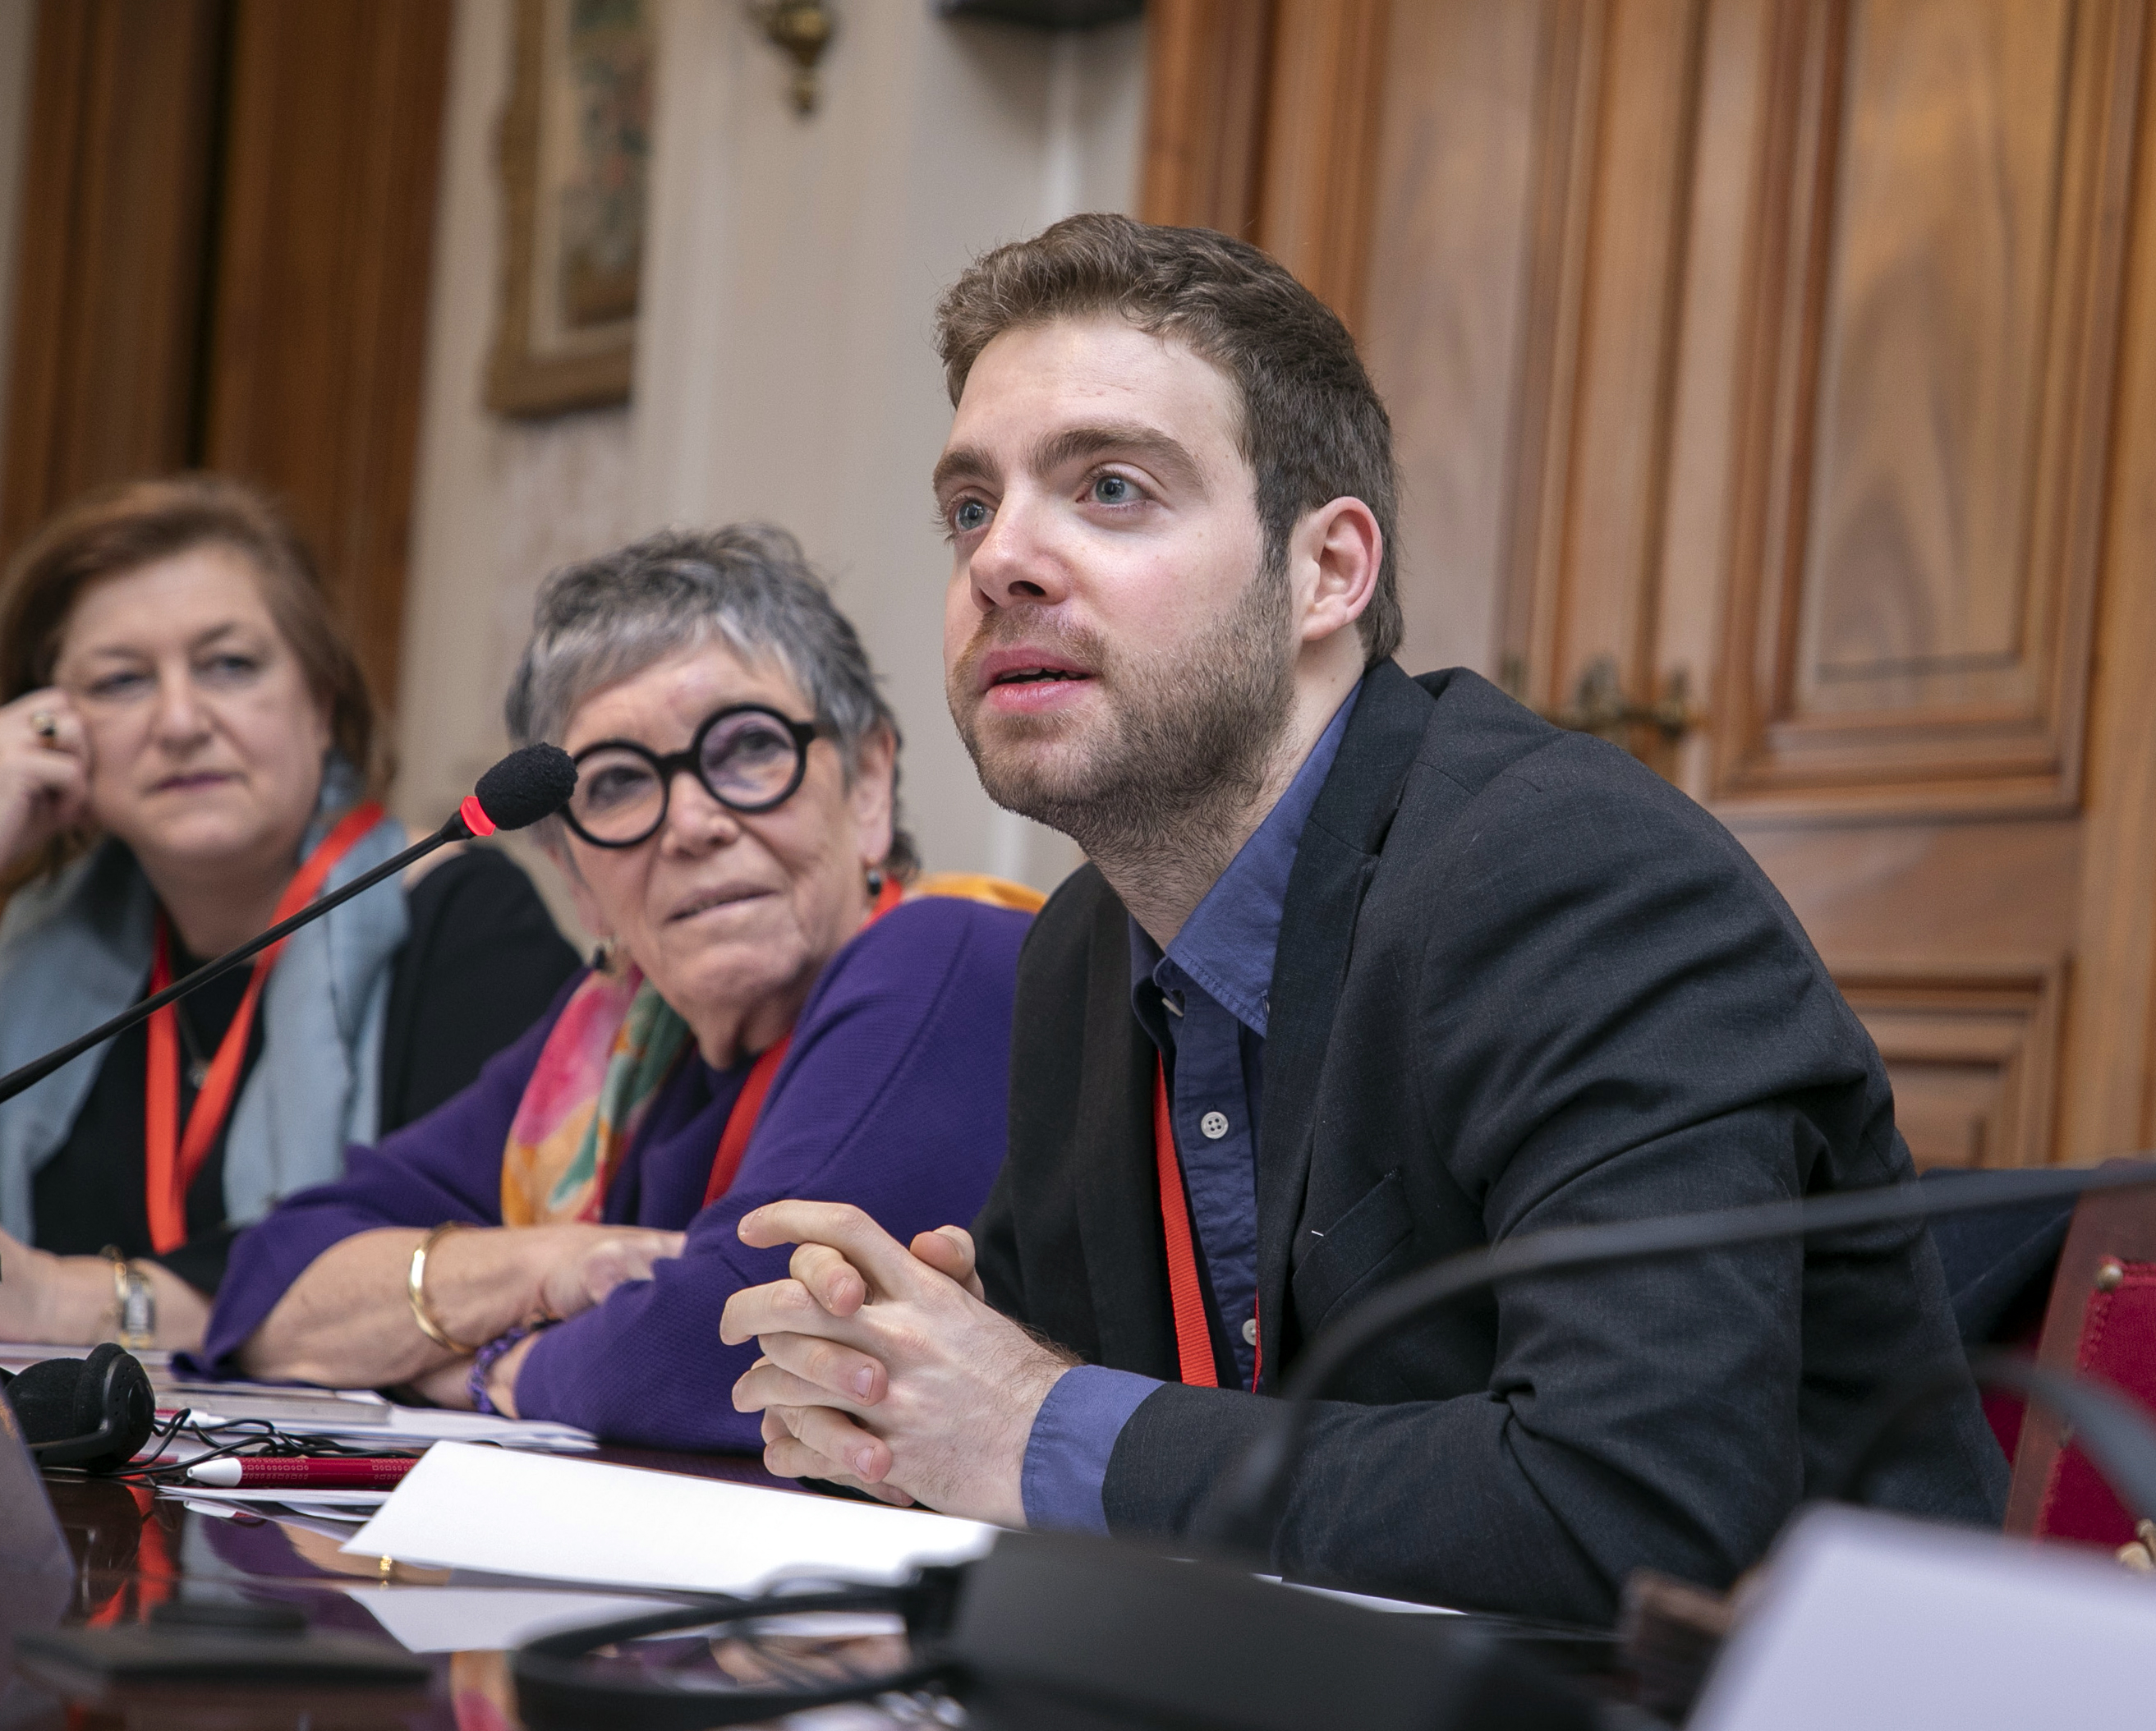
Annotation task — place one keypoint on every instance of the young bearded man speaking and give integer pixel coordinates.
(1405, 970)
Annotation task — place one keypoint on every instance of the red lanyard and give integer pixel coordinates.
(748, 1104)
(1193, 1335)
(171, 1162)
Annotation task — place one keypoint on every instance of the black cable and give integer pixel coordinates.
(1240, 1514)
(2112, 1430)
(260, 1437)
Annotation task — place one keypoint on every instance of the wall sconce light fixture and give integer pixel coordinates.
(803, 29)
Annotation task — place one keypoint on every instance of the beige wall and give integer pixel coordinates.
(785, 368)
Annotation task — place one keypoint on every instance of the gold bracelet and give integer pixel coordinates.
(135, 1303)
(416, 1284)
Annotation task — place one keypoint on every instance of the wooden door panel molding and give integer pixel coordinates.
(1262, 120)
(1616, 142)
(1973, 1050)
(1320, 168)
(1446, 313)
(1208, 65)
(1939, 272)
(2108, 1101)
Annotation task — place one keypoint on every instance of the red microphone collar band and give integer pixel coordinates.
(475, 815)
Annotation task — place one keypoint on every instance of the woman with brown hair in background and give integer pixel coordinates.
(187, 752)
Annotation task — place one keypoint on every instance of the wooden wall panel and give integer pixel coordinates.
(1321, 145)
(1444, 317)
(112, 258)
(1809, 347)
(1973, 1052)
(2107, 1097)
(1915, 590)
(1208, 66)
(1941, 285)
(1262, 121)
(1585, 557)
(317, 345)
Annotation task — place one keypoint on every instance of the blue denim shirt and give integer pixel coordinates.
(1204, 1003)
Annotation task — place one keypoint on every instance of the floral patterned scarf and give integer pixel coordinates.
(611, 1051)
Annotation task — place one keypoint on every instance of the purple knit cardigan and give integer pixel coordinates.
(892, 1097)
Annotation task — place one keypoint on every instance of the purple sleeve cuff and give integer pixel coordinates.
(1074, 1433)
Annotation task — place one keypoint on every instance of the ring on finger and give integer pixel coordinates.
(45, 724)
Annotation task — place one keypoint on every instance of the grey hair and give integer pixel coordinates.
(748, 584)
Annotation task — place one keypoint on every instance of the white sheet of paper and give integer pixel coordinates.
(1870, 1622)
(455, 1620)
(350, 1517)
(552, 1518)
(326, 1499)
(339, 1529)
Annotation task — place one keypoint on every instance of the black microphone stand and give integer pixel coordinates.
(30, 1074)
(530, 783)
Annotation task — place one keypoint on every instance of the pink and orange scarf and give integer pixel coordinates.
(611, 1051)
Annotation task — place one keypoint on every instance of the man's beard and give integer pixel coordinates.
(1180, 750)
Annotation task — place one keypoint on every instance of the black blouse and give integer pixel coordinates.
(482, 963)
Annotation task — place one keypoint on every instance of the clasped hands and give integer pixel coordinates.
(884, 1368)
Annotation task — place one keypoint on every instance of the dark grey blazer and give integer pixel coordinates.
(1522, 982)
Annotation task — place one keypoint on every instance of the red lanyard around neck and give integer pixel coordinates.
(1186, 1293)
(747, 1109)
(172, 1161)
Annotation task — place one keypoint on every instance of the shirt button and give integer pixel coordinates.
(1251, 1332)
(1214, 1124)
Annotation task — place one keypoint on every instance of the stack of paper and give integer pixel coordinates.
(360, 1416)
(549, 1519)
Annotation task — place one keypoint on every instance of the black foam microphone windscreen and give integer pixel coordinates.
(527, 786)
(103, 1401)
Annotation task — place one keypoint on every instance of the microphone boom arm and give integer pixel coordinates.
(1240, 1513)
(30, 1074)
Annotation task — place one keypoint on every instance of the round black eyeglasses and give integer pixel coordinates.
(748, 757)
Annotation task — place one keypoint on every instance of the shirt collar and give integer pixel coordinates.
(1226, 947)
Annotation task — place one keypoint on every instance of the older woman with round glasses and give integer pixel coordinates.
(775, 1016)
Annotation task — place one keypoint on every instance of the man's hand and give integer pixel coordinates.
(883, 1367)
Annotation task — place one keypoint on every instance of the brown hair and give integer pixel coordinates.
(120, 529)
(1313, 428)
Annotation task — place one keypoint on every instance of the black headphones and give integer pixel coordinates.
(94, 1413)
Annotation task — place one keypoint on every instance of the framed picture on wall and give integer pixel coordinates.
(575, 149)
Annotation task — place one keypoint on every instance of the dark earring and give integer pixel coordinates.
(602, 956)
(876, 882)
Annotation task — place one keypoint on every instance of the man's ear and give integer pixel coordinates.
(873, 794)
(1334, 558)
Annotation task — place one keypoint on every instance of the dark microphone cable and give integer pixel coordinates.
(2114, 1432)
(1241, 1516)
(525, 786)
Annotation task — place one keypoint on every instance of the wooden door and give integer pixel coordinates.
(224, 264)
(111, 267)
(1775, 383)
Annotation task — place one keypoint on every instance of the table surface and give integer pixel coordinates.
(133, 1551)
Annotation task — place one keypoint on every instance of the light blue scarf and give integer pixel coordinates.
(75, 951)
